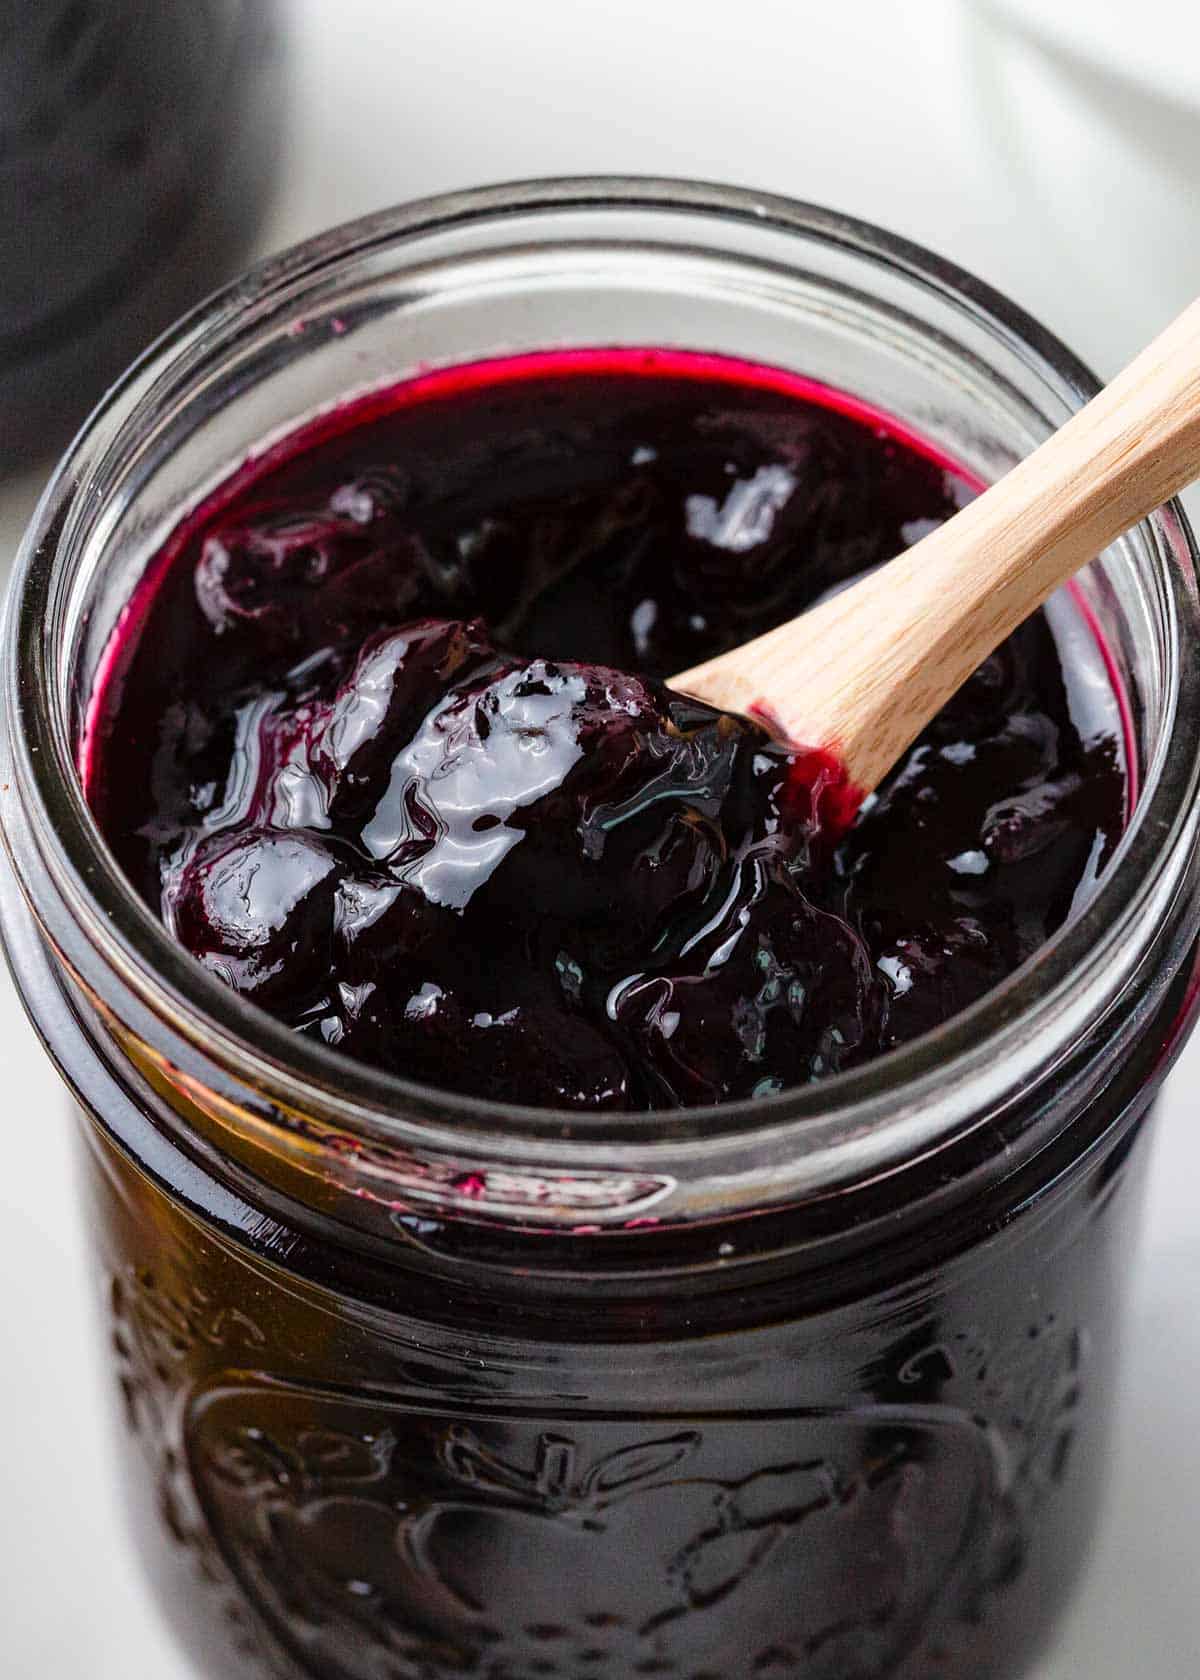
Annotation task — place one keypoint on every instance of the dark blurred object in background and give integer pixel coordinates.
(138, 143)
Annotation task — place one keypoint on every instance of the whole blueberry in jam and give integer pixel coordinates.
(388, 746)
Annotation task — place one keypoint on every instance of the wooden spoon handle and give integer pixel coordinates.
(861, 674)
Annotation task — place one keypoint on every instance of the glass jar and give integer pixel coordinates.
(138, 141)
(414, 1385)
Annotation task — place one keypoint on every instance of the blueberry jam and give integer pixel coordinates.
(385, 742)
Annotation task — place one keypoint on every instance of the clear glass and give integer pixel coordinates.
(424, 1386)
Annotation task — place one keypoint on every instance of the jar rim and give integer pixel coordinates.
(906, 1102)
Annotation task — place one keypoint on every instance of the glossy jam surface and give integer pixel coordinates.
(385, 743)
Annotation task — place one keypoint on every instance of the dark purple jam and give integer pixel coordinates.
(385, 742)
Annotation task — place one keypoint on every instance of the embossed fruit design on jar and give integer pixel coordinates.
(363, 1490)
(659, 1325)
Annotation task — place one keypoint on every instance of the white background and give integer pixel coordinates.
(1057, 173)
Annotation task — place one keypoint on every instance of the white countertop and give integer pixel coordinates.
(1065, 186)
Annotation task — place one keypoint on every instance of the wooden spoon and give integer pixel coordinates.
(858, 677)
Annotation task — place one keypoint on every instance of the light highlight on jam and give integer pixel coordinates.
(371, 746)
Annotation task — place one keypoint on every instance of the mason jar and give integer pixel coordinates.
(138, 148)
(411, 1385)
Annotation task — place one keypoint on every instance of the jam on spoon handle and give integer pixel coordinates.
(860, 675)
